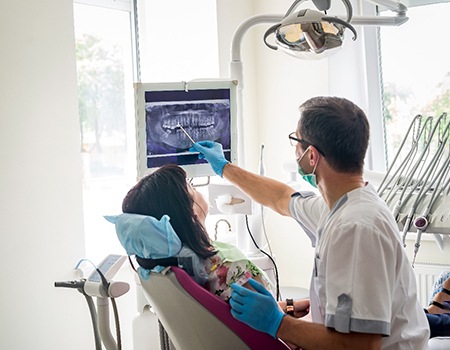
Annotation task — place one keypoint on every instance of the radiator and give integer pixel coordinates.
(426, 275)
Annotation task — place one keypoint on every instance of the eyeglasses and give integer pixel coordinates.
(294, 140)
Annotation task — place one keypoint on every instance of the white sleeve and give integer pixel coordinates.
(307, 209)
(360, 272)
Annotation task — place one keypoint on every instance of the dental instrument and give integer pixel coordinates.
(421, 223)
(421, 181)
(99, 285)
(416, 122)
(414, 172)
(423, 177)
(189, 136)
(409, 169)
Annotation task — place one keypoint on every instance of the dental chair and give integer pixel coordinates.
(195, 319)
(192, 317)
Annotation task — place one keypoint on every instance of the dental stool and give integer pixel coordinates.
(195, 319)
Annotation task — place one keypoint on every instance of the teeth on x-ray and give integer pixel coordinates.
(188, 119)
(202, 121)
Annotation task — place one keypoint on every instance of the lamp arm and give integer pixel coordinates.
(246, 25)
(298, 2)
(322, 5)
(391, 5)
(349, 8)
(379, 20)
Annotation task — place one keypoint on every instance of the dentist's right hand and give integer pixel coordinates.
(257, 307)
(213, 153)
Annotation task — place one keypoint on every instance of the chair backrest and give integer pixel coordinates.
(195, 319)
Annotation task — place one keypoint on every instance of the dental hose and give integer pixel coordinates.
(268, 255)
(93, 312)
(79, 285)
(382, 187)
(116, 319)
(424, 179)
(262, 172)
(105, 285)
(421, 222)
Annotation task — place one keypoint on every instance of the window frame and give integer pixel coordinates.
(125, 5)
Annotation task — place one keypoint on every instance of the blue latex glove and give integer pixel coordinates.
(213, 153)
(256, 308)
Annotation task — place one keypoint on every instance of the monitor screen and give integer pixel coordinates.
(171, 116)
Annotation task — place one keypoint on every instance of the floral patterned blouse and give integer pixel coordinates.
(230, 266)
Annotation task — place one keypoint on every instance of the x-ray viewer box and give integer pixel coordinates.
(205, 109)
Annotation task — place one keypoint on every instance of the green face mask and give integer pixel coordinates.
(310, 178)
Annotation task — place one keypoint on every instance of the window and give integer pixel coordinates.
(106, 65)
(105, 80)
(178, 40)
(415, 70)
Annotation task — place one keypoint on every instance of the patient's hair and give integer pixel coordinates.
(339, 130)
(165, 192)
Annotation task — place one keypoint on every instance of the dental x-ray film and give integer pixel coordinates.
(171, 116)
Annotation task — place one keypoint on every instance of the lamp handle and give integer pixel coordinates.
(269, 31)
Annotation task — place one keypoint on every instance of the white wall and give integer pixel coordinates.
(41, 222)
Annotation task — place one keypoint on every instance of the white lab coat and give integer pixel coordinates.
(362, 279)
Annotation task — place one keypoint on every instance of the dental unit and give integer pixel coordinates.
(420, 182)
(402, 177)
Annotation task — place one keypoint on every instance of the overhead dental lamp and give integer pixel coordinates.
(312, 34)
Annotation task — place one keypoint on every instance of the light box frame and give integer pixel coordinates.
(172, 94)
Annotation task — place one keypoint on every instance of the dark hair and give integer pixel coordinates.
(165, 192)
(339, 129)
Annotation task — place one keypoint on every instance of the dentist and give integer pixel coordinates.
(363, 291)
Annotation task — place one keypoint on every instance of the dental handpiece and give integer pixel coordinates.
(189, 136)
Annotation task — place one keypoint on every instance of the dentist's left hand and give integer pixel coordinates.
(256, 308)
(213, 153)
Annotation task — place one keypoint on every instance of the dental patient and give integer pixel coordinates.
(164, 216)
